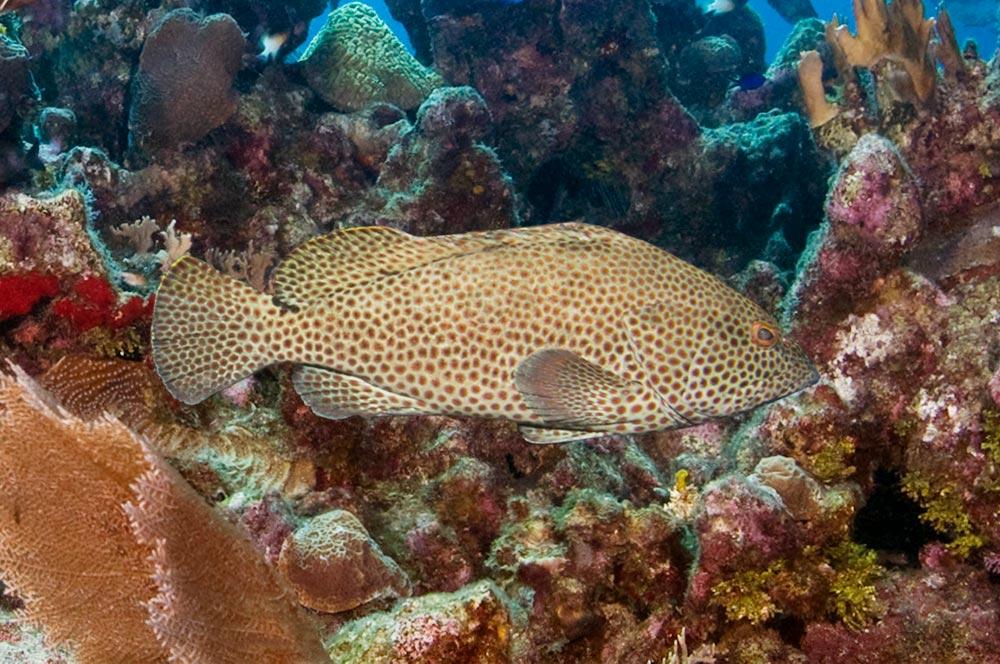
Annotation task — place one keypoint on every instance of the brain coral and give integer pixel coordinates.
(356, 60)
(184, 86)
(334, 566)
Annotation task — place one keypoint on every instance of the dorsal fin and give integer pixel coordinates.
(326, 264)
(352, 256)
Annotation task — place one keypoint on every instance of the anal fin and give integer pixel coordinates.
(565, 390)
(335, 395)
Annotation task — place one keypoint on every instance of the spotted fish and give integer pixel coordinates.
(569, 330)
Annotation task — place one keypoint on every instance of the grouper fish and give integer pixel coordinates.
(570, 330)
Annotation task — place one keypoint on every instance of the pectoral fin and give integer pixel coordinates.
(567, 391)
(336, 396)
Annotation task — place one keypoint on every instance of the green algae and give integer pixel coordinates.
(853, 595)
(991, 436)
(830, 464)
(747, 595)
(839, 579)
(944, 510)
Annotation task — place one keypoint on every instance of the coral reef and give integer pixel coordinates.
(851, 186)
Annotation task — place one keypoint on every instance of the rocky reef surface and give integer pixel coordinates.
(853, 188)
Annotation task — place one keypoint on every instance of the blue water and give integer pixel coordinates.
(963, 14)
(966, 14)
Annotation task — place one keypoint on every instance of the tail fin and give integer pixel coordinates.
(209, 330)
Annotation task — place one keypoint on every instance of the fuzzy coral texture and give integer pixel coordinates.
(854, 191)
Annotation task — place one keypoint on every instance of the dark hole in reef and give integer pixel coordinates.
(790, 628)
(512, 467)
(559, 191)
(890, 521)
(548, 187)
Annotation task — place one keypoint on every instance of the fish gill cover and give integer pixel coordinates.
(288, 212)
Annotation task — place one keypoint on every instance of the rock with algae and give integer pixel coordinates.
(355, 60)
(46, 233)
(334, 565)
(470, 625)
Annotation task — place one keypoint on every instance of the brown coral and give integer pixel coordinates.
(109, 582)
(818, 109)
(334, 565)
(183, 88)
(895, 31)
(65, 543)
(356, 60)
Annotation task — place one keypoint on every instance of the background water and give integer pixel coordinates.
(974, 19)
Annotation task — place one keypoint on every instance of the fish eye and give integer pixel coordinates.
(763, 334)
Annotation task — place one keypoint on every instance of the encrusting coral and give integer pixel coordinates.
(470, 625)
(356, 60)
(334, 565)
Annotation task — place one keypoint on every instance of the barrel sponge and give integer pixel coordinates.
(184, 86)
(355, 60)
(333, 565)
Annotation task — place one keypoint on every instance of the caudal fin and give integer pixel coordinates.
(209, 330)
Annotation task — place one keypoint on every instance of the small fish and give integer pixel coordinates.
(722, 6)
(569, 330)
(751, 81)
(270, 45)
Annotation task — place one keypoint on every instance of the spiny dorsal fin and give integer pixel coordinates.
(329, 263)
(349, 257)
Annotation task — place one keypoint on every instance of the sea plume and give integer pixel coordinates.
(118, 558)
(66, 546)
(217, 601)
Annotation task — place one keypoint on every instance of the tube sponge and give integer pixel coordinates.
(355, 60)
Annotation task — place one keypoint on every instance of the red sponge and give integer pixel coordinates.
(20, 292)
